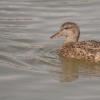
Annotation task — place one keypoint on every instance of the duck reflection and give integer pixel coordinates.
(72, 69)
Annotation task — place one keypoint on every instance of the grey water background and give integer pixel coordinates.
(29, 66)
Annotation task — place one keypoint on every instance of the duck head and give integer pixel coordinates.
(70, 31)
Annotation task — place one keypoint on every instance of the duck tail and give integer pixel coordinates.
(97, 57)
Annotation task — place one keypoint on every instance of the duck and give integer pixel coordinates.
(88, 50)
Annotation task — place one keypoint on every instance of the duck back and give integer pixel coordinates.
(87, 50)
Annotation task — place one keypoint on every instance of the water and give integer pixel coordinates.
(30, 68)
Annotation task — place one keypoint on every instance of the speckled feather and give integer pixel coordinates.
(81, 50)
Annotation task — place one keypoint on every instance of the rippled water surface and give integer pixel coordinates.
(30, 68)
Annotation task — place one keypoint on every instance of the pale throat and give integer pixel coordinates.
(68, 39)
(71, 37)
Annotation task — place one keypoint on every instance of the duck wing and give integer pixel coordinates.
(81, 50)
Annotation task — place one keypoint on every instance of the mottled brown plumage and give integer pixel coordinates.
(72, 48)
(87, 50)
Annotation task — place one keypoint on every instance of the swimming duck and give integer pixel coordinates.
(73, 48)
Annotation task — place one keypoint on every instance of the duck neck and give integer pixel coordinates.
(72, 36)
(68, 39)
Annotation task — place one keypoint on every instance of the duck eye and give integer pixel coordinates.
(66, 28)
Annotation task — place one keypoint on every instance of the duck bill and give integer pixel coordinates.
(56, 35)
